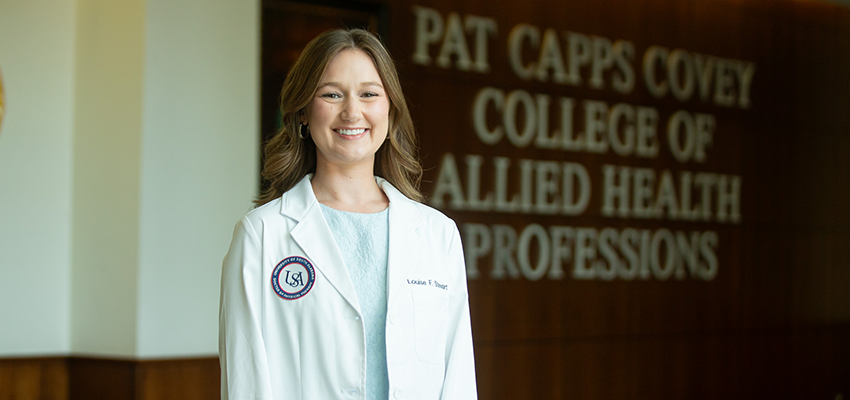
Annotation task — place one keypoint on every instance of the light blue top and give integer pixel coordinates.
(363, 241)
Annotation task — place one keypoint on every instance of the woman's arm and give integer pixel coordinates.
(242, 353)
(459, 383)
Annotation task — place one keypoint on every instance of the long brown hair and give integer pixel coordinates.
(288, 158)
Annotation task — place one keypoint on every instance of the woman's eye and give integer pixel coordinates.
(370, 94)
(331, 95)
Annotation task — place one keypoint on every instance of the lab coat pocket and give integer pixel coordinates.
(430, 309)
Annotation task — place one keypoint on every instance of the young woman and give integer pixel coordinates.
(340, 284)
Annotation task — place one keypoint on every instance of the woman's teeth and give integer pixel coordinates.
(350, 132)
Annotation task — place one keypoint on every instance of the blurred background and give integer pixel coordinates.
(653, 195)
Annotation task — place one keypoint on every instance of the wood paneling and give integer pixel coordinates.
(195, 379)
(787, 364)
(78, 378)
(101, 379)
(775, 321)
(34, 379)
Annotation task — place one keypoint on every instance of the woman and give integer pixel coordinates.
(340, 285)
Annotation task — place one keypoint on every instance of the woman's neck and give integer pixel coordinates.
(348, 189)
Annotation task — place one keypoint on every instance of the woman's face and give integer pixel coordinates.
(349, 114)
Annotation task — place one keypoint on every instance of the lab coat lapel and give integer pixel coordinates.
(315, 238)
(405, 242)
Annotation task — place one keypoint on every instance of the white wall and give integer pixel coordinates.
(128, 152)
(37, 59)
(199, 164)
(105, 214)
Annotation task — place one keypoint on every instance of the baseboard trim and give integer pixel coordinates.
(95, 378)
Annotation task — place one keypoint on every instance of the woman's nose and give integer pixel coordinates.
(351, 110)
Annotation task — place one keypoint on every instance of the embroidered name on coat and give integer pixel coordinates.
(428, 282)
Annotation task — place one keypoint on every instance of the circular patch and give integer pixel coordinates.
(293, 278)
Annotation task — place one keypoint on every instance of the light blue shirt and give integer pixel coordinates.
(363, 241)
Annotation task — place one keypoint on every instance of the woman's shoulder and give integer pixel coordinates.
(428, 213)
(431, 212)
(296, 200)
(264, 212)
(433, 218)
(267, 208)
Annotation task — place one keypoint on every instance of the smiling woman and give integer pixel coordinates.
(291, 153)
(340, 284)
(347, 119)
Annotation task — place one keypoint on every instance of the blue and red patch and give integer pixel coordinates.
(293, 278)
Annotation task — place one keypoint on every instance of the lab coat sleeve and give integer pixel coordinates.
(459, 383)
(242, 353)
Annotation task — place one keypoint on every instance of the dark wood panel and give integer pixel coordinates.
(773, 322)
(101, 379)
(181, 379)
(784, 364)
(34, 378)
(79, 378)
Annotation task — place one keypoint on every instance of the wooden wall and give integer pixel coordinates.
(775, 320)
(77, 378)
(34, 379)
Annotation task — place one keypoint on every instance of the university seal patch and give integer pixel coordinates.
(293, 278)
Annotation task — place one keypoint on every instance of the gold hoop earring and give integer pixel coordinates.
(301, 131)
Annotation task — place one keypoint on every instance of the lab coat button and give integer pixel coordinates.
(398, 393)
(392, 319)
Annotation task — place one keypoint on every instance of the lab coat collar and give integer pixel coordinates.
(300, 204)
(315, 238)
(405, 241)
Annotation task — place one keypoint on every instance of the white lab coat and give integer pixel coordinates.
(313, 347)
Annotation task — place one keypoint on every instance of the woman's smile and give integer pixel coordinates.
(351, 133)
